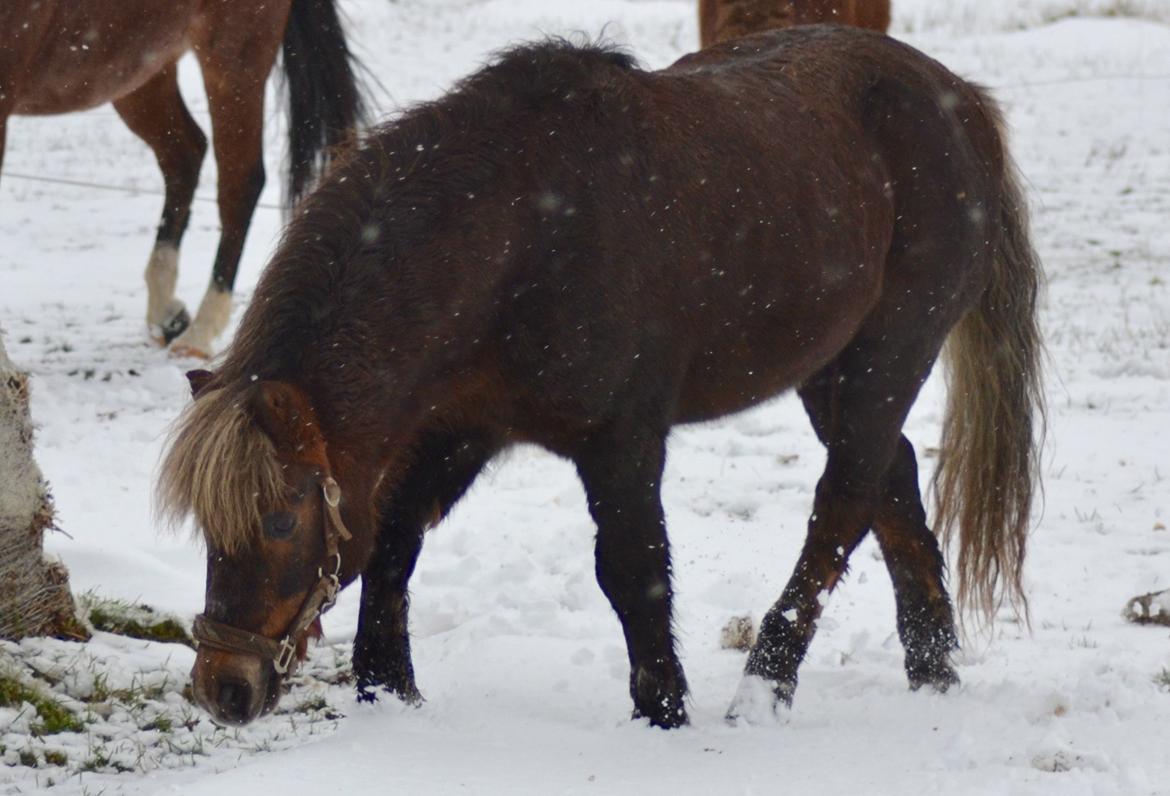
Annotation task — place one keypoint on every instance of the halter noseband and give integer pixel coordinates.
(283, 653)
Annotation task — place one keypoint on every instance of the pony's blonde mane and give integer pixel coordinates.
(219, 467)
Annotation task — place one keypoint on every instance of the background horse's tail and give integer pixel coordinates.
(325, 99)
(988, 472)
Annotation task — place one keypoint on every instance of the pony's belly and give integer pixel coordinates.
(732, 373)
(710, 394)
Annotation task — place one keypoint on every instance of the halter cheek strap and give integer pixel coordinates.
(283, 653)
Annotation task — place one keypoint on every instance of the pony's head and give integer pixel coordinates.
(252, 466)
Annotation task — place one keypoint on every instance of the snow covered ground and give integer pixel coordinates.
(517, 652)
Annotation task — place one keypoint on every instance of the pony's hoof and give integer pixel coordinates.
(177, 321)
(760, 701)
(670, 717)
(409, 696)
(660, 696)
(940, 679)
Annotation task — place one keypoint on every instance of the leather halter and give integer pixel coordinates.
(283, 653)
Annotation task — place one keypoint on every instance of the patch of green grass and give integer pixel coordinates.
(96, 762)
(56, 758)
(132, 620)
(314, 706)
(28, 758)
(160, 723)
(53, 717)
(100, 760)
(1162, 680)
(136, 696)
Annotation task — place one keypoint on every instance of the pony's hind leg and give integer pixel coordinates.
(857, 406)
(156, 114)
(926, 623)
(842, 512)
(444, 468)
(622, 475)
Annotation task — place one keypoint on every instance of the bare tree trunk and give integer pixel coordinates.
(34, 592)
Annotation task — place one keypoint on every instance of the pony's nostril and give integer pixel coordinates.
(235, 701)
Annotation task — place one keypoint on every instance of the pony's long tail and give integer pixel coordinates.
(324, 95)
(988, 472)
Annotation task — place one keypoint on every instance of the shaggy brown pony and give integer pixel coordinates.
(60, 56)
(570, 251)
(720, 20)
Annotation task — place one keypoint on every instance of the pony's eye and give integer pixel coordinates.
(280, 524)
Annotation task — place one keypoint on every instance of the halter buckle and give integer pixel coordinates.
(331, 491)
(284, 656)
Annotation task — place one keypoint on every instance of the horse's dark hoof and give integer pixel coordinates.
(408, 695)
(175, 326)
(660, 697)
(940, 678)
(669, 714)
(668, 720)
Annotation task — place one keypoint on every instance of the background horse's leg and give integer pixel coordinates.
(857, 406)
(622, 474)
(708, 11)
(157, 114)
(445, 466)
(235, 69)
(873, 14)
(926, 623)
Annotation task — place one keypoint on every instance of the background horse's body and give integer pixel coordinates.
(59, 57)
(573, 252)
(720, 20)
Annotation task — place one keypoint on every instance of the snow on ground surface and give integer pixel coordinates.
(517, 652)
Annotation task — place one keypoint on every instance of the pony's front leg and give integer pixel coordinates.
(445, 465)
(381, 649)
(622, 475)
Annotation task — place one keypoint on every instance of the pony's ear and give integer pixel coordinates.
(287, 417)
(199, 379)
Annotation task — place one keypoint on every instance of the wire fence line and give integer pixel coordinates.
(126, 189)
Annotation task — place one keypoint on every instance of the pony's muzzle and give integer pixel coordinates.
(234, 689)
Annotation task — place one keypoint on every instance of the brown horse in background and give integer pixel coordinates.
(59, 56)
(569, 251)
(720, 20)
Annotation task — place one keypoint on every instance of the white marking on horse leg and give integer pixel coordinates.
(758, 701)
(162, 308)
(210, 321)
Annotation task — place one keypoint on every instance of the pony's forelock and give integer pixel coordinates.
(219, 467)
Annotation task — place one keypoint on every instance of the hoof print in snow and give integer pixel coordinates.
(1060, 761)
